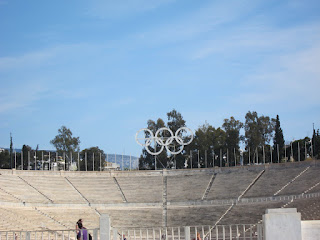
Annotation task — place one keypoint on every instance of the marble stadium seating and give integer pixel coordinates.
(55, 200)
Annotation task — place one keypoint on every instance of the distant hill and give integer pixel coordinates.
(126, 160)
(14, 150)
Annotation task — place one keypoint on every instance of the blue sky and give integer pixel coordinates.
(104, 68)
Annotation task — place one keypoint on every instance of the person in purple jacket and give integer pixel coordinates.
(82, 231)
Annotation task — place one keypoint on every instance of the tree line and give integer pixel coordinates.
(212, 146)
(67, 149)
(220, 146)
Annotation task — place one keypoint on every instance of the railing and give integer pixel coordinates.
(48, 235)
(76, 161)
(73, 161)
(218, 232)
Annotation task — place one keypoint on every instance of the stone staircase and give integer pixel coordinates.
(208, 187)
(120, 190)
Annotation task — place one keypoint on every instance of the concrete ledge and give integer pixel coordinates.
(310, 230)
(281, 210)
(282, 223)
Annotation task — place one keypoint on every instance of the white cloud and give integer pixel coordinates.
(257, 39)
(44, 74)
(198, 23)
(293, 79)
(26, 60)
(21, 96)
(50, 55)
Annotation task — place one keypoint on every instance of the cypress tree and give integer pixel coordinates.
(316, 143)
(278, 138)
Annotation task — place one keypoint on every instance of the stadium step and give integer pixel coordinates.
(11, 195)
(164, 202)
(48, 216)
(36, 189)
(276, 193)
(71, 184)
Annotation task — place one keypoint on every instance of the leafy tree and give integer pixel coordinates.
(219, 144)
(176, 121)
(252, 133)
(147, 160)
(208, 140)
(278, 140)
(93, 156)
(5, 159)
(266, 126)
(232, 129)
(316, 144)
(258, 130)
(64, 142)
(24, 152)
(219, 140)
(305, 148)
(18, 162)
(204, 143)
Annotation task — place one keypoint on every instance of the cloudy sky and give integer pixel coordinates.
(104, 68)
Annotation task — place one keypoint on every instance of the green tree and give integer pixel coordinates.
(24, 152)
(302, 146)
(65, 143)
(176, 121)
(5, 159)
(316, 144)
(164, 160)
(278, 140)
(208, 140)
(204, 143)
(258, 131)
(93, 157)
(219, 143)
(232, 129)
(147, 160)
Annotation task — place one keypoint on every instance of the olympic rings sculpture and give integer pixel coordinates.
(164, 142)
